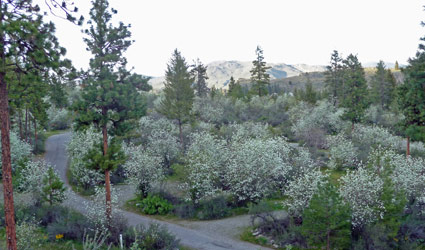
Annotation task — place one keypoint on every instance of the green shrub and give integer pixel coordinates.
(153, 237)
(185, 210)
(214, 208)
(155, 205)
(259, 208)
(69, 223)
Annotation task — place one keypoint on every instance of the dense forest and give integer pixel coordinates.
(325, 160)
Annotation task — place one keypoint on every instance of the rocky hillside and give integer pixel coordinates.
(219, 72)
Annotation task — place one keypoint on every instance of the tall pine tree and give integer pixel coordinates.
(178, 93)
(382, 86)
(411, 98)
(259, 76)
(199, 71)
(110, 100)
(334, 81)
(326, 221)
(355, 99)
(235, 89)
(23, 35)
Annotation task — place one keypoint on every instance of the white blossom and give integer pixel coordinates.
(342, 152)
(257, 167)
(143, 168)
(19, 150)
(96, 207)
(361, 189)
(374, 136)
(58, 118)
(409, 175)
(32, 176)
(301, 189)
(207, 157)
(78, 147)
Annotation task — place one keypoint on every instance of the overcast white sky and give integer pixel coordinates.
(295, 31)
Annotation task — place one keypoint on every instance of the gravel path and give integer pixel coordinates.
(219, 234)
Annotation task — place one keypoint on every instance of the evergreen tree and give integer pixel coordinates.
(411, 98)
(310, 95)
(62, 77)
(109, 100)
(355, 99)
(53, 190)
(58, 96)
(259, 77)
(327, 220)
(235, 89)
(396, 67)
(178, 93)
(140, 82)
(23, 35)
(334, 78)
(200, 72)
(382, 86)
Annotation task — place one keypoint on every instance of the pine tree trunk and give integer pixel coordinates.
(107, 179)
(181, 135)
(9, 209)
(21, 136)
(35, 134)
(328, 240)
(26, 125)
(352, 126)
(408, 147)
(29, 129)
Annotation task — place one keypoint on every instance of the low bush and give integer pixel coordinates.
(185, 210)
(214, 208)
(155, 205)
(153, 237)
(70, 224)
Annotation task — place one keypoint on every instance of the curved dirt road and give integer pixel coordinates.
(196, 238)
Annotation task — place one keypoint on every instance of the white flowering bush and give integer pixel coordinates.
(39, 179)
(143, 168)
(201, 126)
(163, 144)
(243, 131)
(342, 152)
(32, 176)
(372, 136)
(248, 168)
(208, 110)
(312, 123)
(301, 189)
(324, 116)
(19, 150)
(380, 160)
(58, 118)
(257, 167)
(409, 175)
(374, 114)
(96, 207)
(361, 189)
(149, 124)
(78, 147)
(207, 157)
(26, 235)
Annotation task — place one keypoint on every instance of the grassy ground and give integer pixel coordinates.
(44, 243)
(247, 236)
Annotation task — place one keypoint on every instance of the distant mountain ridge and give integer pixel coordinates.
(219, 72)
